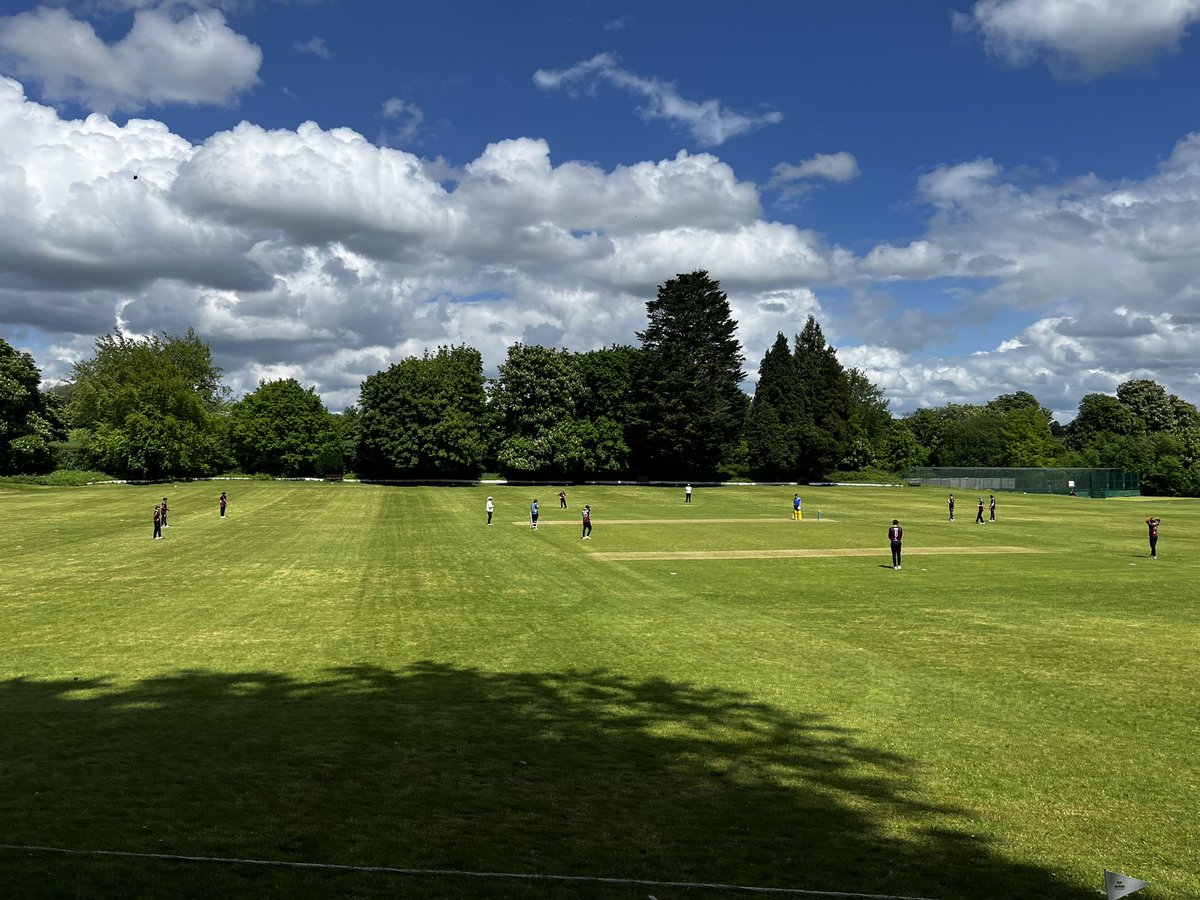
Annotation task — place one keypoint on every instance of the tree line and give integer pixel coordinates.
(670, 407)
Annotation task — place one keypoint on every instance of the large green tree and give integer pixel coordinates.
(424, 417)
(1173, 465)
(825, 388)
(1027, 439)
(149, 408)
(1026, 430)
(280, 429)
(870, 423)
(533, 403)
(1150, 404)
(348, 425)
(605, 406)
(902, 450)
(606, 383)
(775, 415)
(1099, 419)
(29, 420)
(972, 436)
(810, 415)
(1165, 438)
(691, 406)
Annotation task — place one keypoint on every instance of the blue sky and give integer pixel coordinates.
(972, 197)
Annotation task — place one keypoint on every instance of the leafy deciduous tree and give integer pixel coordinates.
(1149, 403)
(1099, 414)
(150, 407)
(605, 406)
(533, 402)
(870, 422)
(1027, 440)
(280, 429)
(30, 421)
(424, 416)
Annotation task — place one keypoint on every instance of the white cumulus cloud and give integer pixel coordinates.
(1105, 276)
(1081, 39)
(316, 251)
(193, 59)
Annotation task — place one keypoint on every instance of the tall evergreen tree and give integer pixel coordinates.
(691, 405)
(824, 433)
(772, 425)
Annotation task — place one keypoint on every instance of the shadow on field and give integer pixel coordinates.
(433, 766)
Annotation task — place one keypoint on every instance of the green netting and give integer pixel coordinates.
(1084, 482)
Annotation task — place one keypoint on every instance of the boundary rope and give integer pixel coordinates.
(461, 873)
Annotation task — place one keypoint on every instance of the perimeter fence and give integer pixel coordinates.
(1083, 482)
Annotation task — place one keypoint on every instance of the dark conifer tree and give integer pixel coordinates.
(691, 408)
(824, 432)
(775, 415)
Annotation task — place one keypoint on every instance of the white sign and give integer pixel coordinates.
(1119, 885)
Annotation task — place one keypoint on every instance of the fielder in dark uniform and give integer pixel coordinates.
(950, 503)
(587, 523)
(979, 515)
(1153, 523)
(991, 507)
(157, 523)
(224, 503)
(896, 538)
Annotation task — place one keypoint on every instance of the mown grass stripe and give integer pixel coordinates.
(798, 552)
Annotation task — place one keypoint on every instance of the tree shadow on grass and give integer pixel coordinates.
(441, 767)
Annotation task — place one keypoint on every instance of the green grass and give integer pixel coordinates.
(369, 676)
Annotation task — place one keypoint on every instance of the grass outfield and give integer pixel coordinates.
(369, 676)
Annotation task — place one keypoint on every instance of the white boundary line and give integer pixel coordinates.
(393, 870)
